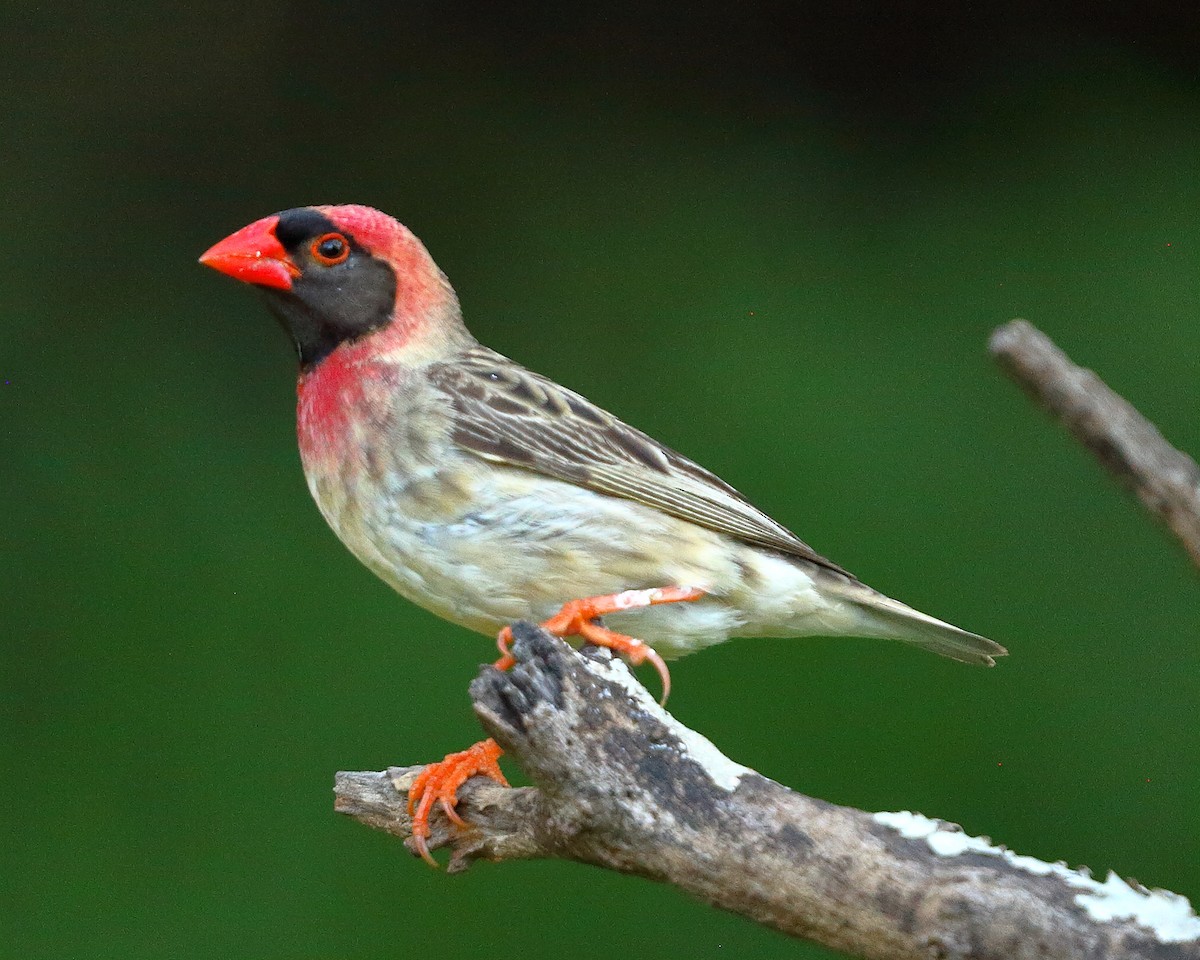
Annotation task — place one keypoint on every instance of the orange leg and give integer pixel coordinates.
(577, 617)
(440, 781)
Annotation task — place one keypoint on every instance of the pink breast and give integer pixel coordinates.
(332, 405)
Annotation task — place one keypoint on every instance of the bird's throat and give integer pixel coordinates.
(331, 396)
(319, 320)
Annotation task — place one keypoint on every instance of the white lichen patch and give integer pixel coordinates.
(1167, 915)
(720, 769)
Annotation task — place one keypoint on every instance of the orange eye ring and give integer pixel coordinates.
(330, 249)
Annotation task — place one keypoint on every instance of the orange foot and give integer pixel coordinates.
(577, 617)
(440, 781)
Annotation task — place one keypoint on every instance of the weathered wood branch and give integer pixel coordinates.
(621, 784)
(1130, 446)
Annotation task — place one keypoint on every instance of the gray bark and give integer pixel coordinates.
(621, 784)
(1130, 446)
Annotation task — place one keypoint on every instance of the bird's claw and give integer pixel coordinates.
(440, 782)
(578, 618)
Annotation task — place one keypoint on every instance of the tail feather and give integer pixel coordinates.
(881, 616)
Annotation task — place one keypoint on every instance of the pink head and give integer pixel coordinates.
(338, 274)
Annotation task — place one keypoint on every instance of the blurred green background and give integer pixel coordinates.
(777, 238)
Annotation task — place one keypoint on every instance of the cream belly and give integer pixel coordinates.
(483, 548)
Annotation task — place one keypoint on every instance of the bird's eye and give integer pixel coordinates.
(330, 249)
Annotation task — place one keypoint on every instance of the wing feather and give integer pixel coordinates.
(507, 414)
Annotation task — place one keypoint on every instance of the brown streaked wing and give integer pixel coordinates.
(508, 414)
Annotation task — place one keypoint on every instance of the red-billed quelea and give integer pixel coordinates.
(487, 493)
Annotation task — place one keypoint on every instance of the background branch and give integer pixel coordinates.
(1130, 446)
(623, 785)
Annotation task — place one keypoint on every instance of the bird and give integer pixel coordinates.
(487, 493)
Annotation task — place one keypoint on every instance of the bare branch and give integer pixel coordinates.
(1130, 446)
(621, 784)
